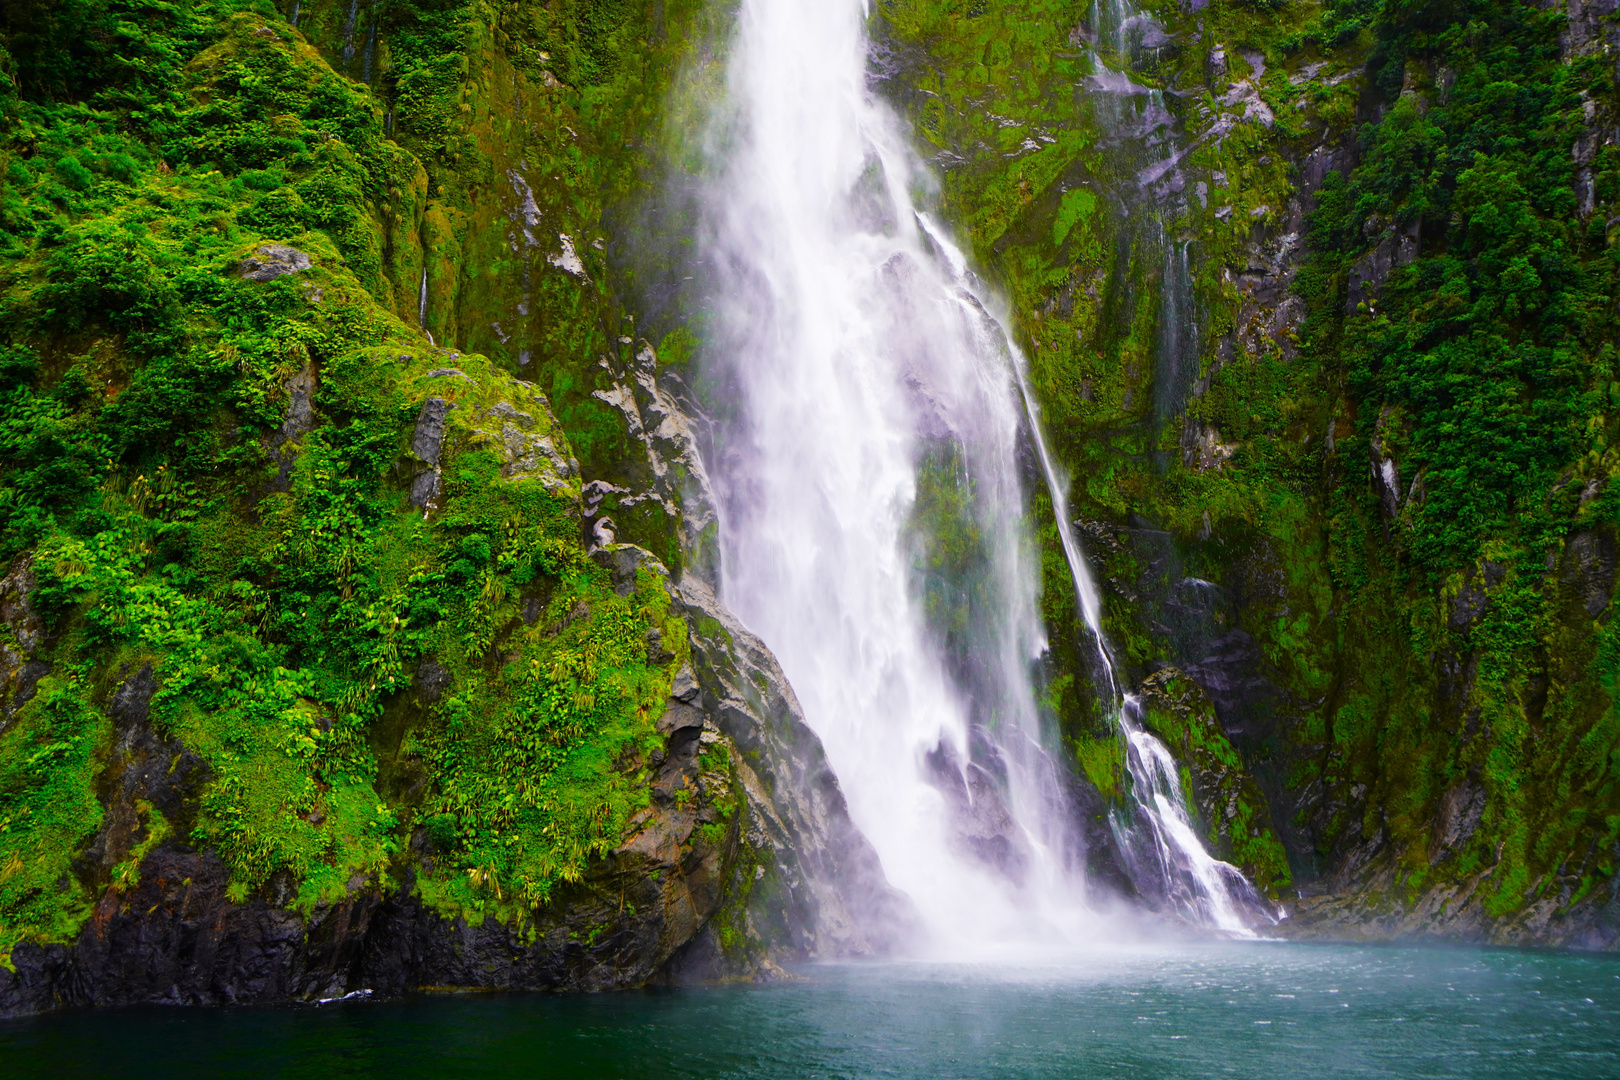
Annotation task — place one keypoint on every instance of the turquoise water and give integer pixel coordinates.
(1193, 1011)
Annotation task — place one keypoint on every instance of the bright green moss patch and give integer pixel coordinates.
(1102, 761)
(49, 758)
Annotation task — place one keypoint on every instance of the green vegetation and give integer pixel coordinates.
(1432, 640)
(1407, 500)
(1219, 790)
(1486, 369)
(212, 475)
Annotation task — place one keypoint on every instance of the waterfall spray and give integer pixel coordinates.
(873, 512)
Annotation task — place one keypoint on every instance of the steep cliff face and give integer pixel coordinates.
(325, 669)
(354, 632)
(1319, 305)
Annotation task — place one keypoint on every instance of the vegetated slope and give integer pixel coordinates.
(308, 682)
(206, 478)
(1320, 309)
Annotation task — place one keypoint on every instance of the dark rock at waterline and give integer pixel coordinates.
(1454, 912)
(829, 895)
(177, 937)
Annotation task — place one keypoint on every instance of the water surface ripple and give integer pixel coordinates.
(1260, 1010)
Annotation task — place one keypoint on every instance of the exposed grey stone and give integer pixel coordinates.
(1589, 568)
(297, 422)
(1461, 809)
(428, 440)
(657, 653)
(678, 717)
(835, 899)
(1471, 603)
(22, 634)
(684, 687)
(1368, 273)
(272, 261)
(426, 488)
(665, 419)
(132, 701)
(507, 411)
(432, 679)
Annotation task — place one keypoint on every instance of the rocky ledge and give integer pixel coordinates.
(745, 856)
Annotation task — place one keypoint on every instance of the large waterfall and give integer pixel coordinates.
(872, 473)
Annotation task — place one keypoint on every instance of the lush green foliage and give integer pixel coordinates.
(1487, 369)
(178, 511)
(1482, 372)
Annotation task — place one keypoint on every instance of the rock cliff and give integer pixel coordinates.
(356, 543)
(1318, 300)
(347, 645)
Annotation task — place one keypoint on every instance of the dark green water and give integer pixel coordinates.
(1274, 1011)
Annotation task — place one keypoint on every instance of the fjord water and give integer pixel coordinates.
(874, 531)
(1248, 1010)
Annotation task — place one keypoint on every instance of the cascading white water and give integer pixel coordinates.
(879, 414)
(1200, 887)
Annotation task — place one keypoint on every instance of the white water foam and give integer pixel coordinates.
(858, 349)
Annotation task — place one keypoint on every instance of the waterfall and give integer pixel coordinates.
(873, 502)
(1163, 840)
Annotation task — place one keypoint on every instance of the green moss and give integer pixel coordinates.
(276, 577)
(1102, 761)
(1222, 795)
(1482, 370)
(49, 758)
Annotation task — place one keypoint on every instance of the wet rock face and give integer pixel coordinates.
(826, 893)
(1229, 802)
(428, 437)
(1394, 247)
(983, 827)
(664, 420)
(1588, 569)
(22, 636)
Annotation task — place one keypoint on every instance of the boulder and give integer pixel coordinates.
(271, 261)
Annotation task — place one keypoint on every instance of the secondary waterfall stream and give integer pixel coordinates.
(874, 525)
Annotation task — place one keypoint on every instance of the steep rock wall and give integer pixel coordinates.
(1230, 258)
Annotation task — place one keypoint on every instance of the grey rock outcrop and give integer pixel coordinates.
(428, 438)
(271, 261)
(667, 423)
(833, 898)
(22, 635)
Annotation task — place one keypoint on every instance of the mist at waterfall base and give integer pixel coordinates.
(1260, 1010)
(877, 447)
